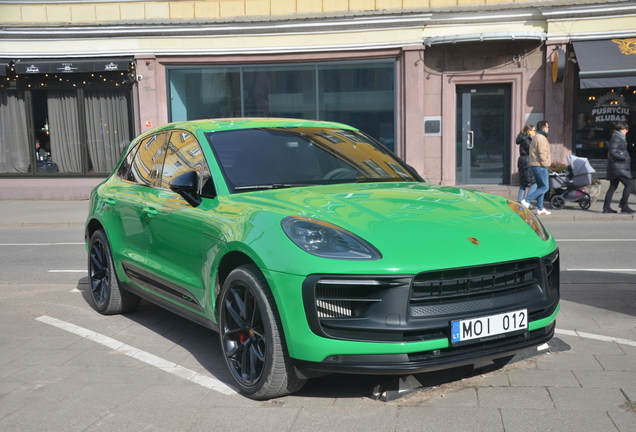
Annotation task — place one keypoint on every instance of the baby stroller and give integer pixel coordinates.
(565, 187)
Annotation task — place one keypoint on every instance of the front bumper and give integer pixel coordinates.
(402, 326)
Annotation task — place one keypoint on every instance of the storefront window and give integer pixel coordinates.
(362, 96)
(595, 111)
(14, 142)
(204, 93)
(280, 92)
(66, 117)
(359, 94)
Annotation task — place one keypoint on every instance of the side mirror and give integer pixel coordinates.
(187, 185)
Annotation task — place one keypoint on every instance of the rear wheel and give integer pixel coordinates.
(251, 337)
(107, 296)
(557, 202)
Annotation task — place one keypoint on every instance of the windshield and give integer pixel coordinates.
(268, 158)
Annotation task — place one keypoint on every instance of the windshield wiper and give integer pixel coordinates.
(264, 187)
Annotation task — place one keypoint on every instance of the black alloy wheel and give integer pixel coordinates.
(251, 340)
(106, 294)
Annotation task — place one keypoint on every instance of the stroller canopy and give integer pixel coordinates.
(579, 165)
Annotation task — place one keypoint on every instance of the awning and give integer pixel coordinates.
(606, 63)
(41, 66)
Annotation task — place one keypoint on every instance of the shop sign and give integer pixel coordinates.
(610, 108)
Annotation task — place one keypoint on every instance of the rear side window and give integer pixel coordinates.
(125, 169)
(143, 165)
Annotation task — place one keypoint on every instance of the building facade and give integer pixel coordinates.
(446, 84)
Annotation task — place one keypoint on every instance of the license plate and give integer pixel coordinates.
(488, 326)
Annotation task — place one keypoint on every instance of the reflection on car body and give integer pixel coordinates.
(311, 249)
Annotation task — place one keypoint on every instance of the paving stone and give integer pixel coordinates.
(427, 418)
(462, 398)
(514, 397)
(492, 379)
(567, 360)
(630, 393)
(542, 378)
(605, 379)
(624, 421)
(50, 416)
(550, 420)
(105, 374)
(41, 373)
(258, 420)
(617, 363)
(596, 399)
(382, 418)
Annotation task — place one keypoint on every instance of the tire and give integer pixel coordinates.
(106, 295)
(585, 202)
(557, 202)
(251, 337)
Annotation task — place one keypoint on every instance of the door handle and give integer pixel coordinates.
(150, 212)
(109, 202)
(470, 140)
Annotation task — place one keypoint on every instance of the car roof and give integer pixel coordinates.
(223, 124)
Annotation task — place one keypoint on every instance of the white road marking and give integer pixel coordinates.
(67, 271)
(151, 359)
(40, 244)
(604, 270)
(596, 240)
(596, 337)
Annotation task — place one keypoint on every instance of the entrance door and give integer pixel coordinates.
(483, 134)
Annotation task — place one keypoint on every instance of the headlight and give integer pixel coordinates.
(530, 218)
(327, 240)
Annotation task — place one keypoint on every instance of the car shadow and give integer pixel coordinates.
(204, 346)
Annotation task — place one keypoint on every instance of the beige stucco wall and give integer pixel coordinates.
(110, 11)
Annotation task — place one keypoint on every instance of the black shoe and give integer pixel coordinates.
(627, 210)
(609, 210)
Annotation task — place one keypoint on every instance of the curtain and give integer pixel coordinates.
(14, 141)
(64, 130)
(107, 127)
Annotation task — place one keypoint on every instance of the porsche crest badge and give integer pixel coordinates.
(473, 240)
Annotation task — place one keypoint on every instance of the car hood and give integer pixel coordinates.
(414, 225)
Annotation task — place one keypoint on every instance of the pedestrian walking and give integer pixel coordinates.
(540, 160)
(527, 184)
(618, 169)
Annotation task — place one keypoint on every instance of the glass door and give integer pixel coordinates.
(483, 134)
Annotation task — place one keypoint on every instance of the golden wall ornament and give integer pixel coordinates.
(627, 46)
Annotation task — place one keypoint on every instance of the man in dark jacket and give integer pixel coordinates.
(618, 169)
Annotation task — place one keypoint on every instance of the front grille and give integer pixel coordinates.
(407, 308)
(453, 290)
(349, 297)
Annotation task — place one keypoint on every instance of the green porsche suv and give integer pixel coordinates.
(311, 248)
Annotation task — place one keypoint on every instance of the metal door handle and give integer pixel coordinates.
(470, 140)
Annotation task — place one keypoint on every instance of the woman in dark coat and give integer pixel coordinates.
(618, 169)
(527, 184)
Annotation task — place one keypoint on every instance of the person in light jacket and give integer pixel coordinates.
(527, 185)
(540, 160)
(618, 169)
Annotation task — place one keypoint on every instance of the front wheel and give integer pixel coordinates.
(107, 297)
(251, 337)
(585, 202)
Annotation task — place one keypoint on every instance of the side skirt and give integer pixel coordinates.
(171, 307)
